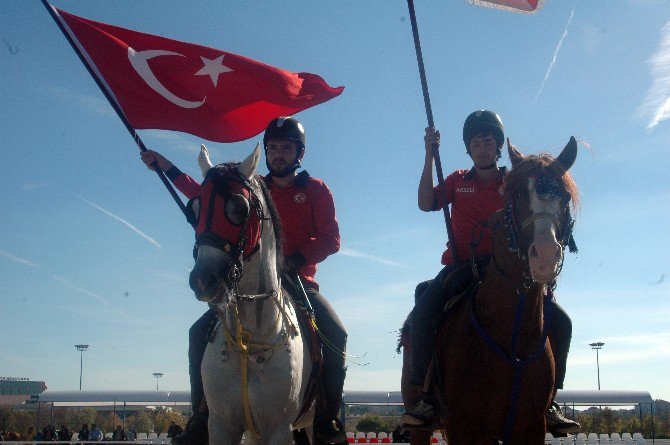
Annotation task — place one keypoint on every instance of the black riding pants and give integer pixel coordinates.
(333, 352)
(431, 296)
(333, 340)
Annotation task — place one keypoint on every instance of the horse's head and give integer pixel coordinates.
(228, 216)
(540, 192)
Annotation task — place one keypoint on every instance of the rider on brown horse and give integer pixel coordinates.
(474, 196)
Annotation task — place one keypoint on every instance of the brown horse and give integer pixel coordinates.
(494, 368)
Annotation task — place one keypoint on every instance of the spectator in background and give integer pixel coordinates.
(95, 433)
(132, 434)
(64, 434)
(83, 432)
(49, 433)
(118, 435)
(30, 435)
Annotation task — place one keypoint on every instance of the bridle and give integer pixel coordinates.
(514, 230)
(240, 250)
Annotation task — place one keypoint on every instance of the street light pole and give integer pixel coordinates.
(81, 349)
(597, 346)
(158, 375)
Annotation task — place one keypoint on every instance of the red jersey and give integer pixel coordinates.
(309, 226)
(307, 213)
(472, 202)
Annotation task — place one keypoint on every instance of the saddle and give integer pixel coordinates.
(459, 285)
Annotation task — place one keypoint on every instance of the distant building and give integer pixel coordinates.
(16, 390)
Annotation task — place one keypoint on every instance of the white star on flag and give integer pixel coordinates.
(212, 68)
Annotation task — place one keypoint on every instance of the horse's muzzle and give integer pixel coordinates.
(207, 286)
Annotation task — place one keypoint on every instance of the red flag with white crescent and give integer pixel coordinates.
(166, 84)
(523, 6)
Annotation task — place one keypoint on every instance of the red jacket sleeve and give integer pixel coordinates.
(326, 240)
(184, 183)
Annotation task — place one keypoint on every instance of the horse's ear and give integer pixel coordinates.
(568, 155)
(515, 155)
(248, 167)
(203, 160)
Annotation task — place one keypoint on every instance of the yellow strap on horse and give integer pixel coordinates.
(244, 371)
(244, 348)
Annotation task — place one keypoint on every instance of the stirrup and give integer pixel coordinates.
(419, 414)
(558, 423)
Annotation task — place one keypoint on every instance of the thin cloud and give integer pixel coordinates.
(16, 259)
(91, 103)
(553, 60)
(656, 106)
(34, 186)
(121, 220)
(174, 140)
(355, 254)
(67, 284)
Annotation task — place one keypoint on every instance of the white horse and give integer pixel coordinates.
(257, 365)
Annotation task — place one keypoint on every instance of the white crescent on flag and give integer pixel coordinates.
(139, 61)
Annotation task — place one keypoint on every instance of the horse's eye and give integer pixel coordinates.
(193, 211)
(237, 209)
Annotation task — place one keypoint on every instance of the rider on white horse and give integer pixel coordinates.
(474, 195)
(310, 233)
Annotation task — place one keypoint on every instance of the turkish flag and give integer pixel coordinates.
(167, 84)
(525, 6)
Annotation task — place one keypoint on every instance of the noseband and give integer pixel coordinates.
(239, 250)
(565, 237)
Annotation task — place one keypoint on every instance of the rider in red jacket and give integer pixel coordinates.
(474, 196)
(310, 234)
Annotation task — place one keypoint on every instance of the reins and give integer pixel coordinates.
(244, 346)
(521, 291)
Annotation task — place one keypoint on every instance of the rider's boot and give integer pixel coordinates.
(328, 430)
(557, 423)
(196, 432)
(423, 412)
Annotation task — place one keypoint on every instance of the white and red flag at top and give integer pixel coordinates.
(161, 83)
(524, 6)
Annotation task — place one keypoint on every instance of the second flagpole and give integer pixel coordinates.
(431, 123)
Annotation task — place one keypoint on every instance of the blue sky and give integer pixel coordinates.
(93, 249)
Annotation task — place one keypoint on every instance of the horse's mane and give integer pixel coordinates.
(221, 174)
(538, 165)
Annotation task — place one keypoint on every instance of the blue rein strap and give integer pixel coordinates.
(513, 358)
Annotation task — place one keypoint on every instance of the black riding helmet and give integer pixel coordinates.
(483, 122)
(285, 128)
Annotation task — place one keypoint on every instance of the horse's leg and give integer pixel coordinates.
(534, 434)
(218, 433)
(281, 436)
(420, 436)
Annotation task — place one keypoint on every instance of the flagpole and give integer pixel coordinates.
(114, 104)
(435, 149)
